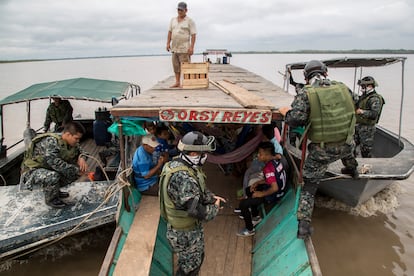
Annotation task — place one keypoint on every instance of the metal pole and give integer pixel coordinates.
(402, 99)
(355, 75)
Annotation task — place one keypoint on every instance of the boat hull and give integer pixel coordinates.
(27, 222)
(353, 192)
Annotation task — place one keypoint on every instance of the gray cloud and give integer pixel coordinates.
(80, 28)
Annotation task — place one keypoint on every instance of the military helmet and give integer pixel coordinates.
(196, 141)
(368, 80)
(313, 67)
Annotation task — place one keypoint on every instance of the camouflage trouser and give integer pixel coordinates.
(364, 137)
(49, 180)
(189, 246)
(314, 169)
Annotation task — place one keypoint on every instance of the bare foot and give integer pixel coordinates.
(176, 85)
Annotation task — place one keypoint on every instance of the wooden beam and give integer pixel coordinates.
(109, 256)
(136, 255)
(243, 96)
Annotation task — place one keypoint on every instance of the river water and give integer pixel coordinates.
(374, 239)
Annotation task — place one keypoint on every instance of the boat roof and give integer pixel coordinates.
(247, 98)
(352, 62)
(77, 89)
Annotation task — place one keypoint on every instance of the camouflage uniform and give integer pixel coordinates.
(189, 244)
(59, 115)
(319, 155)
(55, 172)
(365, 128)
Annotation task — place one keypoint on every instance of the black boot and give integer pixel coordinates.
(305, 229)
(63, 194)
(352, 172)
(56, 203)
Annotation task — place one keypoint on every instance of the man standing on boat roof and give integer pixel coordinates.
(59, 112)
(181, 39)
(185, 201)
(368, 112)
(327, 110)
(53, 161)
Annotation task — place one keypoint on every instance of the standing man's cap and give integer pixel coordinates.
(182, 6)
(150, 140)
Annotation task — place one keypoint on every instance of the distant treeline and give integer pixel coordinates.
(354, 51)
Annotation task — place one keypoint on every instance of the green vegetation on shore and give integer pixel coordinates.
(353, 51)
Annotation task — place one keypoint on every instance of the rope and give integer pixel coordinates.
(112, 189)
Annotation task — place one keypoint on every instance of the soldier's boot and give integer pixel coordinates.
(350, 171)
(305, 229)
(305, 208)
(366, 153)
(194, 272)
(63, 194)
(56, 203)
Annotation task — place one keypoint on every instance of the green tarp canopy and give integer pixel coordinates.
(79, 89)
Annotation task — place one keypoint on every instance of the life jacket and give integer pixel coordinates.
(179, 219)
(362, 103)
(67, 153)
(332, 113)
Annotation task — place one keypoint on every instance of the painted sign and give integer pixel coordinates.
(233, 116)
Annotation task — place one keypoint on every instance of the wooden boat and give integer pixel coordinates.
(139, 245)
(393, 155)
(27, 222)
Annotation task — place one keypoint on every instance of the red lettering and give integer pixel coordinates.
(254, 117)
(193, 115)
(247, 114)
(236, 116)
(182, 115)
(214, 115)
(227, 117)
(204, 115)
(265, 117)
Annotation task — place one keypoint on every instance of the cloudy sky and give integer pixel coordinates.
(82, 28)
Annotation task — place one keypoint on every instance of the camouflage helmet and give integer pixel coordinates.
(314, 67)
(196, 141)
(368, 80)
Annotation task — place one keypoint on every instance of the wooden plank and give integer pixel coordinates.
(137, 252)
(243, 96)
(109, 256)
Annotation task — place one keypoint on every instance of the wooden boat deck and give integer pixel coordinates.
(225, 253)
(149, 102)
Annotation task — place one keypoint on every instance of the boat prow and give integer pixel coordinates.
(394, 160)
(28, 223)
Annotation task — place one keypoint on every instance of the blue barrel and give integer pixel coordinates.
(100, 127)
(224, 60)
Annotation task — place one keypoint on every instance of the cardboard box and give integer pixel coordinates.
(194, 75)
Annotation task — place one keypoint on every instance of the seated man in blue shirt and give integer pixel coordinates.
(145, 170)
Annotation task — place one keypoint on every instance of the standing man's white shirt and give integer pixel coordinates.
(181, 33)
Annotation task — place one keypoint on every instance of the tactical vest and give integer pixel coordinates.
(362, 103)
(178, 219)
(67, 153)
(332, 115)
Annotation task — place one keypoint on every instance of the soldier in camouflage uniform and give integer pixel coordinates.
(185, 201)
(368, 110)
(327, 109)
(54, 160)
(58, 112)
